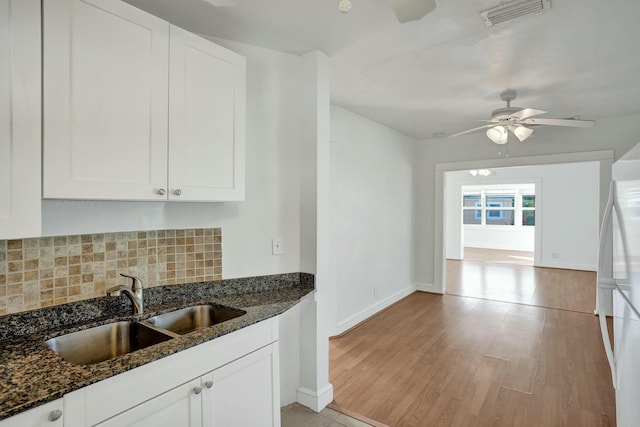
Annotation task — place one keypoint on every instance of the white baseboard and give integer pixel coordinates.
(315, 400)
(427, 287)
(567, 266)
(493, 245)
(372, 309)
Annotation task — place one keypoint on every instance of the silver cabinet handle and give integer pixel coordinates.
(55, 415)
(177, 192)
(208, 384)
(197, 390)
(161, 192)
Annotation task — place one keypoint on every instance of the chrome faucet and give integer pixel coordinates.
(134, 294)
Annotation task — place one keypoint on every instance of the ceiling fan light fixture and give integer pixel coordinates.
(522, 132)
(481, 172)
(498, 134)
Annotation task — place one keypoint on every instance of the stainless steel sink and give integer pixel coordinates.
(105, 342)
(191, 318)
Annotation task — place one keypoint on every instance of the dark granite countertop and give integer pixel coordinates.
(32, 374)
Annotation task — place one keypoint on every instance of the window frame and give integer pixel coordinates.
(483, 208)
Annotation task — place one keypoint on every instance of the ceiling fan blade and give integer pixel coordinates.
(525, 113)
(411, 10)
(561, 122)
(472, 130)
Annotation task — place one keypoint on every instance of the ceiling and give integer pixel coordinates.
(581, 58)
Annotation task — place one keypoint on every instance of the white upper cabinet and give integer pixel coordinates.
(20, 118)
(105, 100)
(119, 125)
(206, 119)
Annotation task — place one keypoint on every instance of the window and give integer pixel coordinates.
(528, 210)
(472, 209)
(498, 207)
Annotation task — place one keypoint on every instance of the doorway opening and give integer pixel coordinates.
(502, 230)
(498, 224)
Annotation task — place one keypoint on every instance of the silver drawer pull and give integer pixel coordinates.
(55, 415)
(177, 192)
(208, 384)
(161, 192)
(197, 390)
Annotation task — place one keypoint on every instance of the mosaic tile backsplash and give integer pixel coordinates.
(46, 271)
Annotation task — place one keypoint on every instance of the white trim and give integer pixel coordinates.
(567, 266)
(427, 287)
(362, 315)
(316, 401)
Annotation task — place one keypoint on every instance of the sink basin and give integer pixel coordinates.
(105, 342)
(191, 318)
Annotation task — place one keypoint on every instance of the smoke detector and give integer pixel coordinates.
(506, 12)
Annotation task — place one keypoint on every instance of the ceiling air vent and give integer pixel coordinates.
(508, 11)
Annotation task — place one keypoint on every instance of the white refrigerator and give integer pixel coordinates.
(619, 279)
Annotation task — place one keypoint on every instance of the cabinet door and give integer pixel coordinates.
(105, 101)
(245, 392)
(47, 415)
(180, 407)
(19, 118)
(206, 120)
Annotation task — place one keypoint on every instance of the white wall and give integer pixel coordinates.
(567, 207)
(518, 239)
(372, 216)
(272, 206)
(618, 134)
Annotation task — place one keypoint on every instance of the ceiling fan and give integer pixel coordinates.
(519, 121)
(405, 10)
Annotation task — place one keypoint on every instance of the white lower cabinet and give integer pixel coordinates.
(47, 415)
(242, 393)
(180, 407)
(217, 399)
(230, 381)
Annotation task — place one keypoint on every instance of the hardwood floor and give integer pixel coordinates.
(544, 287)
(498, 256)
(455, 361)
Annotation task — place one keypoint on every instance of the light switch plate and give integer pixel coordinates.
(276, 246)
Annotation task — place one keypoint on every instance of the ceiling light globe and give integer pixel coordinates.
(498, 134)
(522, 132)
(344, 6)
